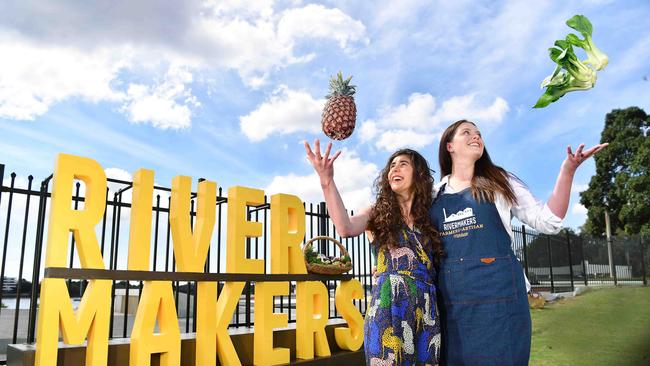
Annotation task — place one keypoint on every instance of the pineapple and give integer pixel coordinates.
(340, 112)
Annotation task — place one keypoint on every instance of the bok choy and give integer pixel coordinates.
(572, 74)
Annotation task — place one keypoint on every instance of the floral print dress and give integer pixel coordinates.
(401, 322)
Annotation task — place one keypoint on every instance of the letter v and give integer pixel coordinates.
(191, 248)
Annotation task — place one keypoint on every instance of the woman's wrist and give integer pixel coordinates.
(568, 168)
(326, 183)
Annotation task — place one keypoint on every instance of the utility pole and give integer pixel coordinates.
(608, 231)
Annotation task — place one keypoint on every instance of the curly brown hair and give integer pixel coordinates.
(386, 217)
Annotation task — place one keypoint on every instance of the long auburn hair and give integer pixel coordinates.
(488, 180)
(386, 219)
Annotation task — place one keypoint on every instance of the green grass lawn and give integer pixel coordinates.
(608, 326)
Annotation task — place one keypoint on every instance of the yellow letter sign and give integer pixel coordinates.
(239, 228)
(157, 302)
(351, 337)
(265, 320)
(140, 228)
(92, 319)
(56, 308)
(191, 249)
(287, 232)
(213, 317)
(312, 303)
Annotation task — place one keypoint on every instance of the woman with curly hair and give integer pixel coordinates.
(401, 322)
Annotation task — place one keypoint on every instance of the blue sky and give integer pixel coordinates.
(228, 90)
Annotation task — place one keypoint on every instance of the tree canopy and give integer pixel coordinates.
(621, 183)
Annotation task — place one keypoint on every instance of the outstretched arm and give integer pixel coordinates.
(324, 165)
(559, 200)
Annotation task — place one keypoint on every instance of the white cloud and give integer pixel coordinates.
(419, 113)
(392, 140)
(368, 130)
(33, 77)
(354, 178)
(243, 9)
(119, 174)
(89, 52)
(578, 209)
(166, 105)
(418, 122)
(397, 12)
(316, 21)
(578, 188)
(465, 107)
(286, 111)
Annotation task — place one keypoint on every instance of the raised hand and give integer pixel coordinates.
(559, 200)
(324, 165)
(573, 161)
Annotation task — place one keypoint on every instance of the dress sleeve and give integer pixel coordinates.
(532, 211)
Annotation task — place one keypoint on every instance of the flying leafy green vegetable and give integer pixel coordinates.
(571, 74)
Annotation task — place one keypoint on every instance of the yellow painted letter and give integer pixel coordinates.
(265, 320)
(140, 229)
(287, 232)
(213, 317)
(312, 313)
(64, 219)
(351, 337)
(91, 319)
(157, 302)
(239, 228)
(191, 249)
(55, 307)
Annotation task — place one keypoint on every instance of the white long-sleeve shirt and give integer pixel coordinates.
(529, 210)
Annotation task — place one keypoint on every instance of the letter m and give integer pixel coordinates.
(91, 320)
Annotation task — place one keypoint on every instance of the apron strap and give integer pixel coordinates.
(440, 191)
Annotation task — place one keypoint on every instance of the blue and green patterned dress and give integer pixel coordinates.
(401, 323)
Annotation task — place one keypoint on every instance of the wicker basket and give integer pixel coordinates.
(326, 269)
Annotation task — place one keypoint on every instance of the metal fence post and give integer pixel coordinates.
(584, 267)
(613, 264)
(322, 227)
(643, 269)
(568, 242)
(38, 247)
(6, 236)
(2, 178)
(523, 236)
(22, 259)
(247, 287)
(550, 262)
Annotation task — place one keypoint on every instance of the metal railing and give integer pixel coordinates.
(561, 262)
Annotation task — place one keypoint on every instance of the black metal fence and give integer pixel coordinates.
(561, 262)
(555, 263)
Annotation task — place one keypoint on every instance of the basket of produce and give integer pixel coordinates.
(322, 264)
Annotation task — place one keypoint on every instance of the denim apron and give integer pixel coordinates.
(483, 303)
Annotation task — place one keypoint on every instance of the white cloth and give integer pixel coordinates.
(528, 210)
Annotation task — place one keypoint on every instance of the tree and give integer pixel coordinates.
(622, 183)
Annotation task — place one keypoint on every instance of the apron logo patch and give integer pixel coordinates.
(459, 224)
(488, 260)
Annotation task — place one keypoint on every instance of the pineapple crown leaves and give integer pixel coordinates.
(340, 87)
